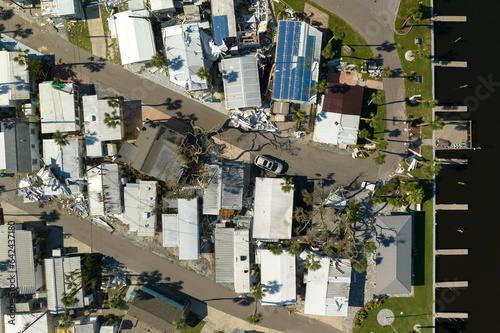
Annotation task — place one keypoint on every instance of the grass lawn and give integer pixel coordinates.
(418, 309)
(352, 37)
(81, 33)
(379, 110)
(420, 67)
(194, 324)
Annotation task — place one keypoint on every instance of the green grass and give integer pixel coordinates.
(417, 309)
(81, 33)
(380, 111)
(419, 66)
(352, 37)
(194, 324)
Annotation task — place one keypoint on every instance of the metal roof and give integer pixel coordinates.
(336, 128)
(14, 79)
(58, 108)
(170, 230)
(92, 327)
(66, 161)
(224, 255)
(278, 278)
(223, 20)
(327, 290)
(103, 183)
(96, 132)
(23, 320)
(298, 53)
(189, 229)
(55, 271)
(140, 207)
(241, 260)
(394, 246)
(232, 186)
(343, 98)
(273, 210)
(185, 55)
(65, 7)
(241, 82)
(135, 36)
(212, 194)
(17, 141)
(127, 152)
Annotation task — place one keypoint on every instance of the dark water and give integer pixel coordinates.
(479, 46)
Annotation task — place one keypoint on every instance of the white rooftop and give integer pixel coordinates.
(241, 82)
(182, 229)
(103, 184)
(273, 210)
(55, 271)
(135, 36)
(140, 207)
(185, 55)
(242, 260)
(160, 5)
(22, 320)
(14, 79)
(96, 132)
(278, 278)
(58, 108)
(66, 161)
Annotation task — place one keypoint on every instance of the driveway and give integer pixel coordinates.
(374, 20)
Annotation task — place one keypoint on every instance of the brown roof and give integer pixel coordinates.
(344, 99)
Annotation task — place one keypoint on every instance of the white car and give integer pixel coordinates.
(269, 163)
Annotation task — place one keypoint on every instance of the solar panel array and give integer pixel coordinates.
(294, 61)
(221, 29)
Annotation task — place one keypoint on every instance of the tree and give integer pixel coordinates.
(409, 186)
(396, 202)
(66, 320)
(38, 69)
(369, 247)
(379, 159)
(381, 145)
(338, 33)
(328, 51)
(422, 52)
(416, 196)
(204, 74)
(287, 185)
(111, 120)
(386, 72)
(298, 117)
(311, 264)
(435, 124)
(255, 319)
(321, 86)
(180, 325)
(116, 303)
(68, 300)
(110, 319)
(56, 80)
(276, 248)
(115, 102)
(257, 295)
(360, 266)
(377, 98)
(352, 211)
(373, 121)
(60, 139)
(295, 249)
(413, 14)
(364, 133)
(159, 60)
(431, 169)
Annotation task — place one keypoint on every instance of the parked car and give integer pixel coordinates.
(269, 163)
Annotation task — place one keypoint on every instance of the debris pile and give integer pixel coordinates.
(251, 120)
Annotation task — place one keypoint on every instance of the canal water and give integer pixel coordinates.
(477, 229)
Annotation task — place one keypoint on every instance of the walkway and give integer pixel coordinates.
(96, 31)
(374, 20)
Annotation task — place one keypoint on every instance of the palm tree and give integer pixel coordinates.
(116, 303)
(287, 185)
(255, 319)
(298, 117)
(321, 86)
(328, 51)
(110, 319)
(413, 14)
(159, 61)
(386, 72)
(311, 264)
(180, 325)
(373, 121)
(381, 145)
(111, 120)
(60, 139)
(66, 320)
(431, 169)
(338, 33)
(204, 74)
(377, 98)
(369, 247)
(364, 133)
(68, 300)
(360, 266)
(435, 124)
(295, 249)
(416, 196)
(115, 102)
(21, 57)
(276, 248)
(257, 293)
(379, 159)
(422, 52)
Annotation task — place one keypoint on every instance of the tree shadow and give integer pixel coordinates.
(93, 64)
(386, 46)
(6, 14)
(111, 266)
(170, 104)
(52, 216)
(18, 32)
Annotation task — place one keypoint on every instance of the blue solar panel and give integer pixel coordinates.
(296, 39)
(221, 29)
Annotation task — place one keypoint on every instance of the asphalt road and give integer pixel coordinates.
(161, 270)
(302, 159)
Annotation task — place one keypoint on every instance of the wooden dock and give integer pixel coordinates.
(452, 284)
(452, 252)
(451, 108)
(450, 18)
(453, 161)
(452, 315)
(452, 206)
(446, 63)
